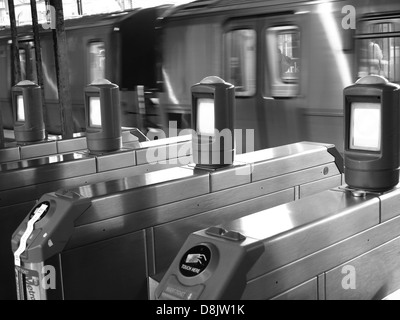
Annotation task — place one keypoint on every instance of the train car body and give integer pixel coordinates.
(289, 60)
(119, 47)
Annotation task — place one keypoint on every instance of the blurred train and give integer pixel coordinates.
(289, 61)
(120, 47)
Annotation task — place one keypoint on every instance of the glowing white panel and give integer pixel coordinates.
(20, 109)
(94, 112)
(365, 126)
(205, 116)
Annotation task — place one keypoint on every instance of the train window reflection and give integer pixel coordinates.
(22, 61)
(380, 55)
(241, 60)
(283, 56)
(288, 56)
(97, 61)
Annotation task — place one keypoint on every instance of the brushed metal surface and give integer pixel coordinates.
(298, 156)
(314, 187)
(305, 291)
(10, 154)
(113, 160)
(188, 207)
(161, 142)
(170, 237)
(236, 175)
(38, 150)
(113, 198)
(390, 206)
(376, 275)
(295, 230)
(182, 212)
(57, 167)
(330, 257)
(321, 287)
(33, 192)
(163, 152)
(71, 145)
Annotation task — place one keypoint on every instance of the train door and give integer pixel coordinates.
(240, 63)
(262, 59)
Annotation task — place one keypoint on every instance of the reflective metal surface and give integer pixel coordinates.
(305, 291)
(57, 167)
(267, 163)
(390, 207)
(38, 149)
(113, 160)
(376, 275)
(9, 154)
(118, 197)
(294, 230)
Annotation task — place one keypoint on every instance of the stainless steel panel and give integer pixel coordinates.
(235, 176)
(71, 145)
(170, 237)
(276, 161)
(176, 211)
(294, 230)
(38, 150)
(279, 152)
(376, 275)
(33, 192)
(30, 172)
(10, 154)
(330, 257)
(390, 206)
(163, 152)
(112, 269)
(314, 187)
(201, 204)
(113, 198)
(162, 142)
(305, 291)
(321, 287)
(115, 160)
(297, 178)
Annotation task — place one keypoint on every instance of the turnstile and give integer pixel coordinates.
(332, 245)
(23, 182)
(12, 151)
(133, 227)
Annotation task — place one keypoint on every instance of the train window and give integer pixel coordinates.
(283, 49)
(379, 49)
(241, 61)
(22, 61)
(97, 61)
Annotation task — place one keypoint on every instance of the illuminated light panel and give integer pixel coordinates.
(20, 109)
(205, 116)
(94, 112)
(365, 126)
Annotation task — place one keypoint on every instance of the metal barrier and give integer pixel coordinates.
(132, 228)
(332, 245)
(23, 182)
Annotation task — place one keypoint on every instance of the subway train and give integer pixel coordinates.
(289, 61)
(119, 47)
